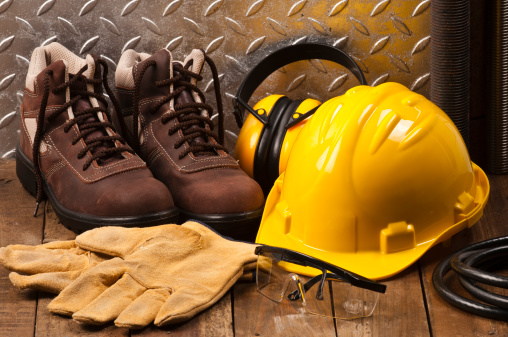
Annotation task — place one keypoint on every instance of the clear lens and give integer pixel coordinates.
(336, 298)
(271, 280)
(341, 300)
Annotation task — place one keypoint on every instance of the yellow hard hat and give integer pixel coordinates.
(375, 178)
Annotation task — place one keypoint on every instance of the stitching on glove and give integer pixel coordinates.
(170, 289)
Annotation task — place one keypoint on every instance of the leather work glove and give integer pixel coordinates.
(168, 278)
(48, 267)
(53, 266)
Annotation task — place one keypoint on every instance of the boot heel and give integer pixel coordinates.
(25, 172)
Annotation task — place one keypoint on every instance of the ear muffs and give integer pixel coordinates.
(269, 131)
(263, 153)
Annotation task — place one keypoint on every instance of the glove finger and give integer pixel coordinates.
(110, 304)
(143, 310)
(53, 245)
(87, 287)
(33, 261)
(184, 304)
(49, 282)
(61, 245)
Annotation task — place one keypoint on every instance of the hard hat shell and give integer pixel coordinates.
(376, 177)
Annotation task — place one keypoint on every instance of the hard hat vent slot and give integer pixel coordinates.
(465, 204)
(398, 236)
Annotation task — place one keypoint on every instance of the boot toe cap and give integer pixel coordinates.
(220, 192)
(136, 197)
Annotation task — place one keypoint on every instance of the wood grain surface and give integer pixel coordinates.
(400, 311)
(410, 307)
(17, 225)
(256, 315)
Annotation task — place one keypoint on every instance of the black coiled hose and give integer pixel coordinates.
(489, 254)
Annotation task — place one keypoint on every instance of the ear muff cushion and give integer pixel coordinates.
(279, 133)
(265, 141)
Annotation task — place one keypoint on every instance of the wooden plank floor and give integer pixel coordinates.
(410, 306)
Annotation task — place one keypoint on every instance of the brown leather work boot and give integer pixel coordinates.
(70, 152)
(166, 120)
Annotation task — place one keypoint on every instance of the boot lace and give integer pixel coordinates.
(190, 121)
(80, 119)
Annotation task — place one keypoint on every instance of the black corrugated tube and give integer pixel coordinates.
(498, 79)
(473, 266)
(449, 62)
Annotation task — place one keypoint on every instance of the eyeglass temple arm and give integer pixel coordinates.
(319, 294)
(307, 261)
(357, 282)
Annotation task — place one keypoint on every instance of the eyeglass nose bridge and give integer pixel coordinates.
(298, 293)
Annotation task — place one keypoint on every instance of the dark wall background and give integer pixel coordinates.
(479, 102)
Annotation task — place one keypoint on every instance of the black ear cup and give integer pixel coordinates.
(273, 156)
(264, 147)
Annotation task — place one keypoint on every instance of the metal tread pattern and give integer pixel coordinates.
(388, 38)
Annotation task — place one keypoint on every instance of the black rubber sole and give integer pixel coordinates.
(79, 222)
(239, 226)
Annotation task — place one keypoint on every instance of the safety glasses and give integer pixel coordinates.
(334, 292)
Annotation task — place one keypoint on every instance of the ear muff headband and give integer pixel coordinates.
(280, 58)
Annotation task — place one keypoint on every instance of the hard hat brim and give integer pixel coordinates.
(374, 265)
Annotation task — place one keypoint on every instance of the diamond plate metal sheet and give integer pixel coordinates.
(389, 39)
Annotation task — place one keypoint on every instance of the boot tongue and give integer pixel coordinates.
(84, 103)
(161, 71)
(195, 61)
